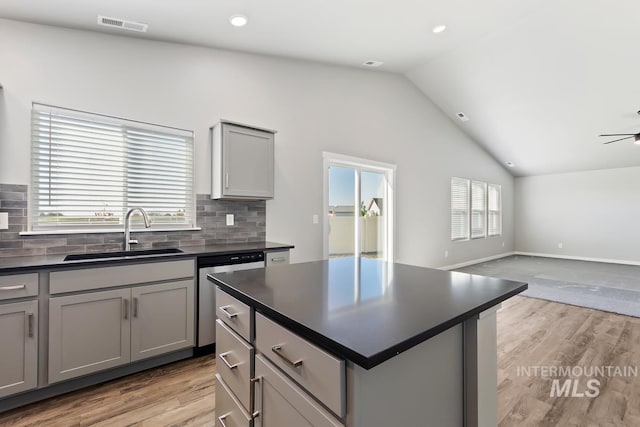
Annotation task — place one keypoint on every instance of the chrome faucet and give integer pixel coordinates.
(127, 227)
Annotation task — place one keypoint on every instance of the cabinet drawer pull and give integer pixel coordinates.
(14, 287)
(277, 349)
(226, 312)
(256, 413)
(221, 419)
(126, 308)
(30, 325)
(280, 259)
(223, 356)
(135, 307)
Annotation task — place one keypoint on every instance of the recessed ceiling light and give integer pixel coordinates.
(439, 28)
(511, 164)
(372, 63)
(462, 116)
(238, 20)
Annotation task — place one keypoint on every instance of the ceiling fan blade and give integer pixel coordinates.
(621, 139)
(619, 134)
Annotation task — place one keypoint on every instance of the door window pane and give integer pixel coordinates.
(342, 211)
(372, 214)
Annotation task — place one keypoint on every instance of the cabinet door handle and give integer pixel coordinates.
(223, 356)
(226, 180)
(256, 413)
(277, 349)
(280, 259)
(126, 308)
(14, 287)
(135, 307)
(221, 419)
(30, 325)
(225, 310)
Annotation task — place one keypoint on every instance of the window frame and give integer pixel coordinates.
(473, 210)
(128, 128)
(498, 211)
(470, 211)
(467, 210)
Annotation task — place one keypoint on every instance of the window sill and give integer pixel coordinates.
(104, 231)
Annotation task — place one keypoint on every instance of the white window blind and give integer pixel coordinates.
(89, 169)
(478, 209)
(459, 209)
(494, 209)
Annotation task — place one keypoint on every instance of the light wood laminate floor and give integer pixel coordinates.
(534, 332)
(531, 332)
(179, 394)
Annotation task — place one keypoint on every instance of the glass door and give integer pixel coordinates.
(359, 217)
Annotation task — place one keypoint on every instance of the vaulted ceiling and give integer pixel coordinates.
(537, 80)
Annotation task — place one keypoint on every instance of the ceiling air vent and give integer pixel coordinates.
(372, 63)
(122, 24)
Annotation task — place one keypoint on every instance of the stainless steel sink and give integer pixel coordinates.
(122, 254)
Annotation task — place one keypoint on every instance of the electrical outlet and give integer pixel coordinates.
(503, 244)
(230, 219)
(446, 254)
(4, 220)
(314, 219)
(560, 245)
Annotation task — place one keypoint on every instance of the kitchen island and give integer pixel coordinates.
(418, 345)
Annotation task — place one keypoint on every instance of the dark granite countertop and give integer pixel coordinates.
(31, 263)
(366, 311)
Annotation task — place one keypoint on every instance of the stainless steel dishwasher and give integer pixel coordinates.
(207, 295)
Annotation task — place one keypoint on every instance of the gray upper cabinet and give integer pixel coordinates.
(19, 348)
(242, 162)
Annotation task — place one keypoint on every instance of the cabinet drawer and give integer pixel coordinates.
(108, 277)
(233, 362)
(280, 402)
(234, 313)
(18, 286)
(321, 373)
(229, 412)
(277, 258)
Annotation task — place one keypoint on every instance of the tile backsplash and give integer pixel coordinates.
(250, 226)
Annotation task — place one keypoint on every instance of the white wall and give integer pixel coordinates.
(314, 107)
(594, 214)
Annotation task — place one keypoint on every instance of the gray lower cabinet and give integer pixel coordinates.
(88, 333)
(162, 318)
(19, 348)
(272, 398)
(276, 258)
(280, 403)
(94, 331)
(229, 410)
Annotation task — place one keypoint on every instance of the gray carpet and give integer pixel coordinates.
(608, 287)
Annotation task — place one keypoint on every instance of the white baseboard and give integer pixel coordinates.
(476, 261)
(580, 258)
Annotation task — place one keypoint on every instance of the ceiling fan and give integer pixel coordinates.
(635, 136)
